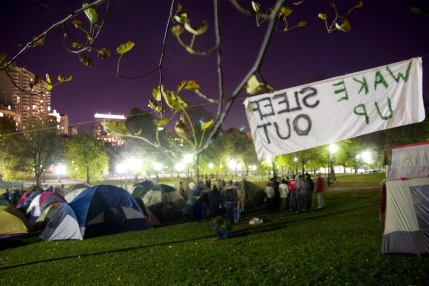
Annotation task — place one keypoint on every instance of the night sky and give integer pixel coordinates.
(382, 32)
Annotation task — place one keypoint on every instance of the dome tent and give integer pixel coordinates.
(106, 209)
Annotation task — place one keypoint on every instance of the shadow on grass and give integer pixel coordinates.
(18, 241)
(104, 252)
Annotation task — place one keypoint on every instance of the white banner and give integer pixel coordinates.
(336, 109)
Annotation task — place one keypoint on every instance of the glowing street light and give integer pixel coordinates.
(60, 170)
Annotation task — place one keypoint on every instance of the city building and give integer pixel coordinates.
(25, 94)
(99, 131)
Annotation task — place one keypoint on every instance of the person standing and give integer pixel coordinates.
(214, 202)
(271, 195)
(309, 191)
(284, 193)
(301, 192)
(320, 188)
(292, 194)
(230, 199)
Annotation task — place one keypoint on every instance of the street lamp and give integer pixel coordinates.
(60, 170)
(331, 173)
(188, 159)
(121, 169)
(179, 168)
(232, 165)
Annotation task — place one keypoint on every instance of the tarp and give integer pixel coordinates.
(409, 161)
(254, 194)
(406, 227)
(106, 209)
(336, 109)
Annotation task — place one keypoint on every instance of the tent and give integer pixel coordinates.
(12, 221)
(106, 209)
(62, 223)
(162, 200)
(79, 186)
(41, 201)
(255, 195)
(73, 194)
(153, 193)
(405, 201)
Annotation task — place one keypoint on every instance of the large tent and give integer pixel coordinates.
(405, 201)
(107, 209)
(12, 221)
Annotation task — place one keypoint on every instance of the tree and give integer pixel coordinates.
(86, 154)
(36, 149)
(8, 139)
(83, 26)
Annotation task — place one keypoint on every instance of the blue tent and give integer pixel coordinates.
(107, 209)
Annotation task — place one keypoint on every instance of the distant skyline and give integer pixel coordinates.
(381, 33)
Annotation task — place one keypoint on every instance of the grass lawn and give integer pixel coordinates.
(338, 245)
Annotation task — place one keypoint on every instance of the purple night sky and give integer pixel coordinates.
(383, 32)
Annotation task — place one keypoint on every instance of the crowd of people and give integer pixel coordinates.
(294, 194)
(208, 200)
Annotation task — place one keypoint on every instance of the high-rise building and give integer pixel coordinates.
(99, 131)
(24, 93)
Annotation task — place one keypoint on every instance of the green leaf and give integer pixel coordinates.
(322, 16)
(302, 24)
(85, 60)
(65, 79)
(48, 78)
(206, 125)
(179, 8)
(90, 13)
(285, 11)
(161, 121)
(201, 30)
(103, 53)
(256, 7)
(38, 41)
(157, 92)
(115, 128)
(76, 45)
(254, 87)
(125, 47)
(175, 102)
(182, 18)
(345, 26)
(177, 30)
(359, 5)
(77, 23)
(49, 87)
(154, 106)
(181, 85)
(192, 85)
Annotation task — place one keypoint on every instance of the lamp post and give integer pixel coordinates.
(331, 161)
(356, 163)
(188, 159)
(296, 165)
